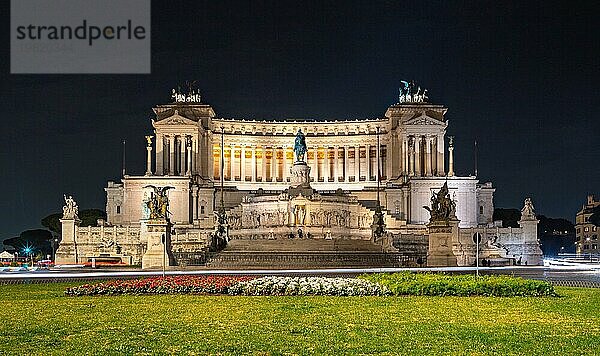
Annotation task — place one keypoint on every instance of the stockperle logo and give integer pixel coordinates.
(80, 36)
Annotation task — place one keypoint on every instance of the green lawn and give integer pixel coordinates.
(39, 319)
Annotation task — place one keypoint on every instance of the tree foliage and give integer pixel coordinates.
(595, 217)
(89, 217)
(509, 217)
(38, 239)
(52, 223)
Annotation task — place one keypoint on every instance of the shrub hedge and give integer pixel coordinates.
(439, 284)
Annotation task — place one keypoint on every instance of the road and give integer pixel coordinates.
(578, 277)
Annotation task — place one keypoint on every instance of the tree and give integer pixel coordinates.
(509, 217)
(52, 223)
(88, 217)
(556, 235)
(595, 217)
(38, 239)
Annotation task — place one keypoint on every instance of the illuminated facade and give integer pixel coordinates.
(407, 145)
(342, 154)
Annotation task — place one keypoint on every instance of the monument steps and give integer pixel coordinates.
(372, 205)
(302, 253)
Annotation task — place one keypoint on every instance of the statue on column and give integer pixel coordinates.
(149, 141)
(70, 210)
(300, 146)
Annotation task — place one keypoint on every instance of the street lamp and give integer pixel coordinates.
(28, 252)
(55, 249)
(587, 240)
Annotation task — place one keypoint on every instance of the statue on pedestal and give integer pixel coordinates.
(300, 146)
(70, 210)
(158, 204)
(528, 212)
(443, 208)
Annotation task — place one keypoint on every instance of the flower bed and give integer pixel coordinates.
(160, 285)
(439, 284)
(406, 283)
(307, 286)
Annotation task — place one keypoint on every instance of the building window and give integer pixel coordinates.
(118, 209)
(586, 247)
(594, 228)
(594, 237)
(578, 230)
(202, 210)
(586, 229)
(481, 210)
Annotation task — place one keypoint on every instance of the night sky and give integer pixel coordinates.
(520, 78)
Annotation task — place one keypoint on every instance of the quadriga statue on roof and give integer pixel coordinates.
(300, 146)
(442, 206)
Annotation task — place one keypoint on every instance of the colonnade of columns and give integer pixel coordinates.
(177, 155)
(272, 163)
(422, 155)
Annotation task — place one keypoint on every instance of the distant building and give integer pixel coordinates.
(587, 233)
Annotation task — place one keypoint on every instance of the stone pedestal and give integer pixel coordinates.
(300, 180)
(158, 253)
(442, 235)
(300, 175)
(67, 252)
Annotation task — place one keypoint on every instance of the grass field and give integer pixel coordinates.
(39, 319)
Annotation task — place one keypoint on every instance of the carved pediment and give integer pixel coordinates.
(423, 119)
(175, 119)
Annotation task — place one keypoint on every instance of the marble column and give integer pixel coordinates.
(243, 163)
(159, 153)
(440, 155)
(405, 154)
(326, 165)
(149, 158)
(411, 156)
(356, 163)
(346, 164)
(420, 154)
(336, 161)
(377, 166)
(274, 165)
(427, 157)
(450, 160)
(171, 155)
(182, 147)
(432, 142)
(263, 161)
(285, 164)
(368, 159)
(315, 170)
(198, 165)
(253, 163)
(188, 143)
(195, 203)
(232, 164)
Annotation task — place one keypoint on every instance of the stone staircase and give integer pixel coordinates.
(301, 254)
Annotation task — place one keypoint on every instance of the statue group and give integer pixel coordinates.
(443, 208)
(70, 210)
(410, 93)
(158, 204)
